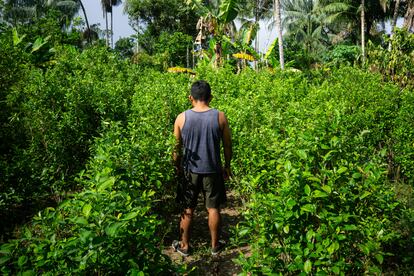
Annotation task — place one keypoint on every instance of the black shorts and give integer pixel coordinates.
(211, 185)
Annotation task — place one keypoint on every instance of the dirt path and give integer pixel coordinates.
(200, 262)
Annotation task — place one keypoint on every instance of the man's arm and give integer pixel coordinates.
(177, 152)
(227, 145)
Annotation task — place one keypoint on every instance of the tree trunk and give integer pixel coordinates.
(279, 33)
(395, 16)
(363, 30)
(256, 21)
(394, 22)
(218, 52)
(86, 20)
(112, 29)
(188, 57)
(409, 16)
(106, 27)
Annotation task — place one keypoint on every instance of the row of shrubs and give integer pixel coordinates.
(320, 164)
(316, 160)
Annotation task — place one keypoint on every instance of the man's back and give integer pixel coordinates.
(201, 136)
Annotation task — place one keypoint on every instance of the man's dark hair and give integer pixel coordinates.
(201, 91)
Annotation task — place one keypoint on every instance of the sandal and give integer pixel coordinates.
(216, 250)
(176, 246)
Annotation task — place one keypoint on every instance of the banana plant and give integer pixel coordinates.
(271, 59)
(217, 21)
(242, 43)
(39, 52)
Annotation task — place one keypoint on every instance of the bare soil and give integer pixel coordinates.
(200, 261)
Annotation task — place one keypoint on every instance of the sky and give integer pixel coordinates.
(122, 29)
(95, 15)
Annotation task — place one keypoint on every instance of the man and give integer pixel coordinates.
(199, 132)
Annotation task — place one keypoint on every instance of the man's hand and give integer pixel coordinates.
(227, 173)
(179, 170)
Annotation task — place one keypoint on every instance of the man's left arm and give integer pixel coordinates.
(227, 144)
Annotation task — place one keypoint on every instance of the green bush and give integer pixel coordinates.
(312, 161)
(403, 137)
(315, 176)
(342, 55)
(110, 227)
(58, 112)
(395, 60)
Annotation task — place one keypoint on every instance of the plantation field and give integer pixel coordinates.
(323, 168)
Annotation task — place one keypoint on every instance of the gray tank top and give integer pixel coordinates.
(201, 136)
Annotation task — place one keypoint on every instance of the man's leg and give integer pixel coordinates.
(185, 227)
(214, 225)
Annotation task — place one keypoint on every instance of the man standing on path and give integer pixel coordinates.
(199, 132)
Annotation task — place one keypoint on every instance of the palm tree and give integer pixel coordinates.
(395, 16)
(305, 21)
(409, 16)
(88, 29)
(25, 11)
(279, 33)
(69, 8)
(363, 30)
(107, 6)
(22, 12)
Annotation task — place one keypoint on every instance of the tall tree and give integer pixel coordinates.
(363, 30)
(279, 33)
(26, 11)
(156, 16)
(1, 13)
(343, 19)
(88, 29)
(305, 21)
(107, 7)
(409, 16)
(395, 16)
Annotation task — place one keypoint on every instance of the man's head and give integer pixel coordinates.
(201, 91)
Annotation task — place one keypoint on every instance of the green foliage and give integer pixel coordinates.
(403, 137)
(343, 55)
(175, 47)
(48, 25)
(154, 62)
(397, 63)
(104, 229)
(313, 160)
(228, 10)
(14, 71)
(307, 24)
(160, 16)
(295, 55)
(51, 117)
(114, 225)
(125, 47)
